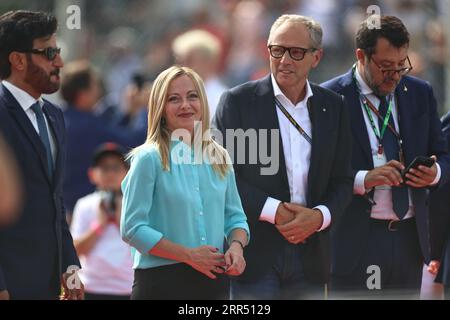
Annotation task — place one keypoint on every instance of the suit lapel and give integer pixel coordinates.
(268, 119)
(27, 127)
(358, 124)
(321, 124)
(404, 111)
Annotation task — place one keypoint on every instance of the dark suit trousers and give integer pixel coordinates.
(398, 256)
(178, 282)
(285, 280)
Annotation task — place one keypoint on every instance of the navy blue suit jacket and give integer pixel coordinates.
(420, 130)
(252, 106)
(37, 248)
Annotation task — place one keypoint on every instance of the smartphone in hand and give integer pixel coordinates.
(420, 160)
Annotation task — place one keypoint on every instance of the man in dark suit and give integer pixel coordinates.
(291, 201)
(440, 227)
(383, 237)
(36, 251)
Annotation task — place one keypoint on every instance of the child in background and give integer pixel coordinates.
(105, 259)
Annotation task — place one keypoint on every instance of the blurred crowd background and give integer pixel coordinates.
(122, 38)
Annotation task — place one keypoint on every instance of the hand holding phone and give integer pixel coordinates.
(420, 160)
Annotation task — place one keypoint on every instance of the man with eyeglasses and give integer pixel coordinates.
(37, 255)
(307, 128)
(382, 240)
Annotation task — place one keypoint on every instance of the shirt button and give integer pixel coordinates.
(197, 189)
(201, 213)
(203, 239)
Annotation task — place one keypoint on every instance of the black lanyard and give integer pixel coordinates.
(293, 122)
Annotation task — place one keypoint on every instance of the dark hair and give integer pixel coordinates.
(77, 76)
(391, 28)
(138, 79)
(109, 149)
(18, 30)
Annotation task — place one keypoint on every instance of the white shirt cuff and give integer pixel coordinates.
(358, 184)
(269, 210)
(326, 217)
(438, 175)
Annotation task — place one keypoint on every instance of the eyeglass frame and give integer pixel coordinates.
(45, 52)
(288, 49)
(384, 71)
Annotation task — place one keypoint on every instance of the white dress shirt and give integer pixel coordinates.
(214, 89)
(382, 196)
(25, 100)
(107, 267)
(297, 155)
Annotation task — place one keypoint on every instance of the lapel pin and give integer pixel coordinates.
(324, 109)
(405, 88)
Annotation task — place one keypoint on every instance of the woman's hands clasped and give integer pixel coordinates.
(209, 261)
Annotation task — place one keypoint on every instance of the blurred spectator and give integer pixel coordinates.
(135, 99)
(330, 15)
(85, 130)
(248, 51)
(417, 63)
(214, 23)
(327, 14)
(201, 51)
(105, 259)
(157, 57)
(124, 62)
(413, 13)
(435, 49)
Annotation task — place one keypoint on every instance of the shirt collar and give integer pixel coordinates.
(278, 93)
(365, 89)
(24, 99)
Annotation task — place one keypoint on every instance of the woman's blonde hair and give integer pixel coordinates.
(158, 135)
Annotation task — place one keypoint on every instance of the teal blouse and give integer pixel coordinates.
(190, 205)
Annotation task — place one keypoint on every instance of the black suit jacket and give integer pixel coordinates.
(420, 130)
(252, 106)
(37, 248)
(440, 220)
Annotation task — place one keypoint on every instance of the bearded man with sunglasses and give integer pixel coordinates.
(36, 250)
(382, 241)
(305, 127)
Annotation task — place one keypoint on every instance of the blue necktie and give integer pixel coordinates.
(391, 149)
(43, 134)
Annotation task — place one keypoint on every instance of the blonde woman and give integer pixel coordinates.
(176, 213)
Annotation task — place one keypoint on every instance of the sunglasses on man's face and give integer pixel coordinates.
(50, 53)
